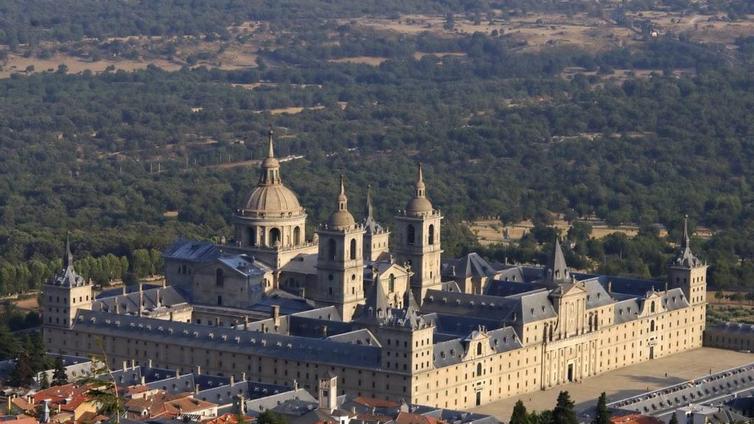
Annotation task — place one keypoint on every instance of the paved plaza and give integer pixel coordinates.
(626, 382)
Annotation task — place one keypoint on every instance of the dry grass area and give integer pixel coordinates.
(27, 303)
(492, 231)
(293, 110)
(362, 60)
(19, 64)
(536, 31)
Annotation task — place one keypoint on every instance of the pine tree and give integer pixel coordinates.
(673, 419)
(22, 375)
(44, 381)
(519, 415)
(563, 412)
(59, 377)
(603, 415)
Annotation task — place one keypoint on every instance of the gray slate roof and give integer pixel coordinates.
(232, 340)
(191, 251)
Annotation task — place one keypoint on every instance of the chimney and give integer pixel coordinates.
(149, 363)
(196, 388)
(324, 331)
(171, 315)
(117, 306)
(133, 363)
(243, 376)
(217, 321)
(143, 380)
(609, 286)
(198, 370)
(245, 322)
(46, 412)
(295, 384)
(159, 299)
(177, 372)
(276, 315)
(125, 291)
(125, 365)
(232, 379)
(164, 283)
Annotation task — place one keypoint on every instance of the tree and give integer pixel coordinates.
(519, 415)
(269, 417)
(22, 374)
(602, 415)
(44, 381)
(59, 377)
(563, 412)
(673, 419)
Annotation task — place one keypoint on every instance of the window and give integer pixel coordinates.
(478, 369)
(274, 236)
(431, 234)
(297, 236)
(252, 236)
(219, 277)
(479, 349)
(331, 249)
(410, 235)
(391, 283)
(652, 307)
(353, 249)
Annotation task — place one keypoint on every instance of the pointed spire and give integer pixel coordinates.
(420, 187)
(686, 243)
(558, 268)
(342, 198)
(68, 257)
(270, 147)
(370, 212)
(270, 166)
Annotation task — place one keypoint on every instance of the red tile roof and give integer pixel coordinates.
(634, 419)
(376, 403)
(67, 396)
(408, 418)
(227, 419)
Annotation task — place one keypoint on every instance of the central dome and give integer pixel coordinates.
(273, 200)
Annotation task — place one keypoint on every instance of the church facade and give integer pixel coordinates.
(395, 322)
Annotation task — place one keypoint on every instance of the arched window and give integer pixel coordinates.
(353, 249)
(219, 277)
(410, 234)
(431, 234)
(297, 236)
(391, 283)
(252, 236)
(652, 307)
(479, 349)
(478, 369)
(331, 249)
(274, 236)
(652, 325)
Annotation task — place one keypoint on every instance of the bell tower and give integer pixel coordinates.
(418, 240)
(340, 260)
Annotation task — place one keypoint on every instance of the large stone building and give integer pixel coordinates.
(393, 323)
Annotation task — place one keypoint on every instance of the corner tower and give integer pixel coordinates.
(688, 272)
(340, 260)
(63, 295)
(418, 240)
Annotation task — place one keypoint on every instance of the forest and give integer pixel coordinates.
(129, 161)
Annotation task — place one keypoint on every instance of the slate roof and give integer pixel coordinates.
(452, 351)
(153, 299)
(244, 264)
(232, 340)
(227, 393)
(633, 286)
(361, 336)
(191, 251)
(626, 310)
(303, 263)
(504, 288)
(470, 265)
(457, 325)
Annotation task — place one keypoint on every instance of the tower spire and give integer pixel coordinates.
(420, 187)
(370, 212)
(270, 165)
(270, 147)
(68, 257)
(342, 198)
(686, 243)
